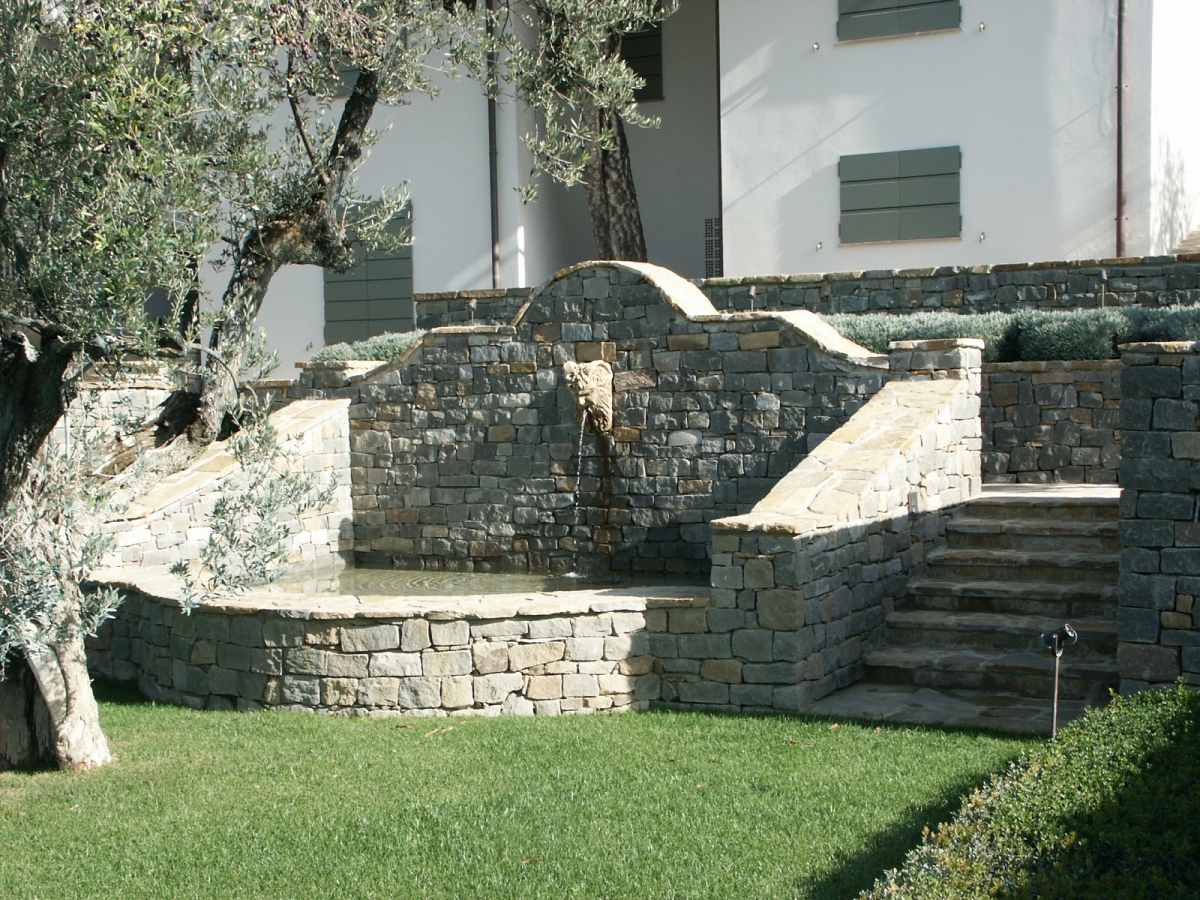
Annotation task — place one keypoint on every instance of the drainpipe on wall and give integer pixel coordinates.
(493, 160)
(1121, 217)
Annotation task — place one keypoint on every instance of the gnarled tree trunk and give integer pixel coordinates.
(62, 679)
(33, 397)
(24, 722)
(612, 199)
(311, 233)
(48, 712)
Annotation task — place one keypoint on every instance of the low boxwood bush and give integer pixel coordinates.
(875, 331)
(1110, 810)
(1029, 334)
(382, 347)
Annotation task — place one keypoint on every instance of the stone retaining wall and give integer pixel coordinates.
(465, 452)
(1158, 615)
(815, 568)
(495, 307)
(169, 523)
(1087, 283)
(1051, 421)
(574, 652)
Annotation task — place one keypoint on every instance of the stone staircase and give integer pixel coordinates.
(1021, 560)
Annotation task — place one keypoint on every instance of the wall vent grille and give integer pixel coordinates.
(714, 254)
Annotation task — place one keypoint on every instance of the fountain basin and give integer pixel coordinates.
(518, 652)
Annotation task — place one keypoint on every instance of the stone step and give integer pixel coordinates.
(958, 707)
(1017, 565)
(1057, 502)
(1055, 599)
(995, 631)
(1086, 535)
(1030, 673)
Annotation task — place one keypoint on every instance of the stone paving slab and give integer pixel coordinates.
(956, 708)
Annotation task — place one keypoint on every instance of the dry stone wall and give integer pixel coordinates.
(811, 573)
(465, 453)
(1051, 421)
(547, 655)
(169, 523)
(1158, 616)
(1079, 284)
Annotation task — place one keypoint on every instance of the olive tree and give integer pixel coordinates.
(103, 195)
(294, 200)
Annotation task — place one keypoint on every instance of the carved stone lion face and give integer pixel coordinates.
(591, 385)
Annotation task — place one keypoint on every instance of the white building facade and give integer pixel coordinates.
(816, 136)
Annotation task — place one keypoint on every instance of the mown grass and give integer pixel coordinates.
(663, 805)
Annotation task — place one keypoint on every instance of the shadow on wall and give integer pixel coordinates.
(1174, 210)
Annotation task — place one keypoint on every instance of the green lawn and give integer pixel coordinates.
(225, 805)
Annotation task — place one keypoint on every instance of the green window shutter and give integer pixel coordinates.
(375, 297)
(860, 20)
(911, 195)
(642, 52)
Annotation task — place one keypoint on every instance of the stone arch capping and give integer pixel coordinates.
(466, 451)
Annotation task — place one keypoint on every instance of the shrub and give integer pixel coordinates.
(1069, 334)
(1110, 810)
(875, 331)
(1029, 334)
(382, 347)
(1181, 323)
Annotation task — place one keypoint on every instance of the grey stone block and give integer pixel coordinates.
(1147, 533)
(1150, 382)
(1147, 591)
(1137, 625)
(704, 646)
(303, 690)
(370, 638)
(395, 665)
(283, 633)
(414, 635)
(706, 692)
(450, 662)
(753, 645)
(449, 634)
(418, 693)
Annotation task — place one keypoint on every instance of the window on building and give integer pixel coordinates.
(860, 20)
(375, 297)
(912, 195)
(642, 52)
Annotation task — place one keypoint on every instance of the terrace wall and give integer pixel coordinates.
(1051, 421)
(1158, 616)
(465, 453)
(1086, 284)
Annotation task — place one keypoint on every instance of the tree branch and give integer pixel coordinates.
(308, 147)
(9, 235)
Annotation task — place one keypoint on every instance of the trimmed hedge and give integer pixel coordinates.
(1109, 810)
(381, 348)
(1029, 334)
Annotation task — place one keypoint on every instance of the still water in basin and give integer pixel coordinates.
(429, 583)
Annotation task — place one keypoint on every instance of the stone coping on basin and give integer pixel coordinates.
(274, 601)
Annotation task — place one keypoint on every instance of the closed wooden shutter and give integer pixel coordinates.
(860, 20)
(909, 195)
(375, 297)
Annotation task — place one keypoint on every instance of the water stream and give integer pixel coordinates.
(574, 573)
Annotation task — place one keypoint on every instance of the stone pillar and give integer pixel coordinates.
(1158, 626)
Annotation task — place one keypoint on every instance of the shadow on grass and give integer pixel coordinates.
(857, 871)
(118, 693)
